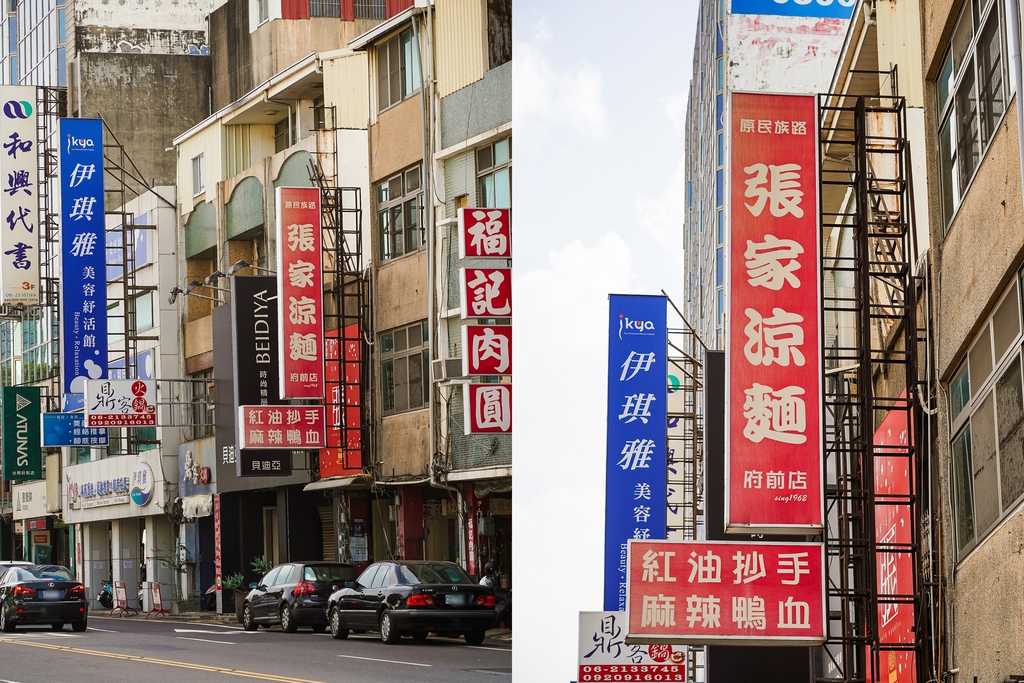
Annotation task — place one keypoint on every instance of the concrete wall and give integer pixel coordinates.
(404, 445)
(481, 107)
(145, 100)
(401, 291)
(396, 139)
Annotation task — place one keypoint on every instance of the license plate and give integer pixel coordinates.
(457, 600)
(51, 595)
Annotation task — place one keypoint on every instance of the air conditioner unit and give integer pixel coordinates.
(445, 369)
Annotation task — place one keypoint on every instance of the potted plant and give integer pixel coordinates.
(233, 589)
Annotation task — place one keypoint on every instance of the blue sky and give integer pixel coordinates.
(599, 102)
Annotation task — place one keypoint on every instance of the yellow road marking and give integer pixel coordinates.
(163, 662)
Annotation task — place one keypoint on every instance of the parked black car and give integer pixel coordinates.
(42, 594)
(415, 598)
(294, 594)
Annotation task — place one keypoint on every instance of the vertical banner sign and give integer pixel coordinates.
(21, 433)
(636, 472)
(485, 233)
(83, 292)
(217, 567)
(300, 302)
(343, 356)
(486, 350)
(256, 363)
(773, 450)
(19, 201)
(723, 592)
(488, 408)
(894, 565)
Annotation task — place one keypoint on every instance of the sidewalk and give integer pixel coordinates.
(502, 635)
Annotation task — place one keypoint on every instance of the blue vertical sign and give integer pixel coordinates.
(83, 292)
(636, 479)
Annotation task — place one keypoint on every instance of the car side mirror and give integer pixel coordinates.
(351, 584)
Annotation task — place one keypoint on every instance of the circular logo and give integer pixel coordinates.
(138, 388)
(142, 484)
(17, 110)
(139, 405)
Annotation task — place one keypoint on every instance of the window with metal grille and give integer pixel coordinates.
(370, 9)
(325, 8)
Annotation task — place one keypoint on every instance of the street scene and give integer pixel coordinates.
(163, 650)
(255, 339)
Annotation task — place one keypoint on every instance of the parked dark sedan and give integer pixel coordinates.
(294, 594)
(42, 594)
(414, 598)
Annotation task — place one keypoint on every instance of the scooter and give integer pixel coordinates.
(106, 596)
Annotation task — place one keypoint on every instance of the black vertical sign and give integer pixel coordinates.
(256, 362)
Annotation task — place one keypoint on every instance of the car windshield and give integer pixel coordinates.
(329, 572)
(50, 571)
(432, 573)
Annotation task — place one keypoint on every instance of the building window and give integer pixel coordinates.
(144, 319)
(494, 174)
(198, 183)
(499, 32)
(398, 70)
(262, 10)
(325, 8)
(404, 362)
(400, 214)
(987, 412)
(972, 93)
(370, 9)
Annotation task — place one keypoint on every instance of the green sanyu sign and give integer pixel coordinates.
(21, 442)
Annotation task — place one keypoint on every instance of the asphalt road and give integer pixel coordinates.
(168, 651)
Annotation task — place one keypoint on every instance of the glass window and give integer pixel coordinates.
(198, 183)
(366, 578)
(1010, 409)
(382, 578)
(400, 218)
(271, 578)
(971, 92)
(494, 174)
(398, 70)
(404, 367)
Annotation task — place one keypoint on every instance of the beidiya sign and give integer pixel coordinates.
(636, 470)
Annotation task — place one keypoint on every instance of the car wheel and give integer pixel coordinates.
(247, 621)
(475, 637)
(79, 626)
(288, 624)
(6, 625)
(337, 632)
(388, 633)
(57, 627)
(419, 636)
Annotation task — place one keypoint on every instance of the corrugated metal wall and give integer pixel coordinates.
(346, 88)
(461, 44)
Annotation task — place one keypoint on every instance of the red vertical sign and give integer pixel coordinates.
(343, 455)
(774, 432)
(300, 292)
(894, 563)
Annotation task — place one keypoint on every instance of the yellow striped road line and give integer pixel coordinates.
(164, 662)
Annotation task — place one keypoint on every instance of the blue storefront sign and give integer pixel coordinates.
(636, 479)
(826, 9)
(68, 429)
(83, 292)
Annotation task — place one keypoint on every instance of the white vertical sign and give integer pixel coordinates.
(19, 200)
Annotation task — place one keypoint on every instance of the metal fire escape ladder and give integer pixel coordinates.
(346, 319)
(871, 374)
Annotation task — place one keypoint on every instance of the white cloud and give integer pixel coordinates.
(675, 110)
(663, 216)
(560, 364)
(569, 94)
